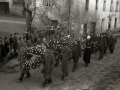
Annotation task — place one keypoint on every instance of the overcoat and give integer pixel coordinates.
(87, 52)
(66, 55)
(20, 56)
(49, 64)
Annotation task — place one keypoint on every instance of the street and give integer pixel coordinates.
(99, 75)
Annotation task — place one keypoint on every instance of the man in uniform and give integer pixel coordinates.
(75, 53)
(49, 65)
(112, 45)
(102, 45)
(24, 71)
(66, 55)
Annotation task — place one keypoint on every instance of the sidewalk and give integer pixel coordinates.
(13, 62)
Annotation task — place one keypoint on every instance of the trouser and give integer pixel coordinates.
(101, 53)
(75, 64)
(22, 75)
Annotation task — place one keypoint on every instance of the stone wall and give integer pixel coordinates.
(15, 8)
(78, 15)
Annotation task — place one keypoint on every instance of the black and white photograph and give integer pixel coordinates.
(59, 44)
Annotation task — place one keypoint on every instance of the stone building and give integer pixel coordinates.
(79, 15)
(12, 7)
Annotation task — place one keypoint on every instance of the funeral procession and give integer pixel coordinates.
(60, 44)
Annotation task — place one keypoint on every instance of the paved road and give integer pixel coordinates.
(100, 75)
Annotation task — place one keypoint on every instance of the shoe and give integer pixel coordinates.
(20, 79)
(45, 82)
(62, 78)
(77, 67)
(49, 81)
(28, 76)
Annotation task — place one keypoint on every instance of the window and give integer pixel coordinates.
(102, 24)
(104, 5)
(109, 24)
(115, 23)
(117, 6)
(96, 5)
(85, 28)
(48, 2)
(111, 6)
(87, 5)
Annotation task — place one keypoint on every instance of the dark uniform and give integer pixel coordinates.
(48, 67)
(75, 57)
(87, 52)
(66, 55)
(102, 45)
(112, 45)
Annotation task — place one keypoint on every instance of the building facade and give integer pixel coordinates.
(12, 7)
(80, 16)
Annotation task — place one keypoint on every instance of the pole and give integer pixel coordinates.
(69, 6)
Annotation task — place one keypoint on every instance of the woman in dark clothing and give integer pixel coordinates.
(87, 51)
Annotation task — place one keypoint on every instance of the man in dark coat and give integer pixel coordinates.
(28, 36)
(24, 71)
(49, 65)
(75, 57)
(66, 55)
(87, 51)
(102, 45)
(15, 43)
(112, 45)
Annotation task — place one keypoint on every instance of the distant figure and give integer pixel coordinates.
(11, 42)
(15, 43)
(6, 45)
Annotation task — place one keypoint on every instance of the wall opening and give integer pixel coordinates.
(87, 5)
(111, 6)
(115, 23)
(117, 6)
(93, 27)
(96, 7)
(4, 8)
(104, 5)
(109, 24)
(85, 29)
(102, 25)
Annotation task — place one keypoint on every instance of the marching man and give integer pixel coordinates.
(48, 66)
(22, 51)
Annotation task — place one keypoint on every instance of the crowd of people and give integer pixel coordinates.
(60, 48)
(80, 46)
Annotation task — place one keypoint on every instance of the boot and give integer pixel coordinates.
(28, 75)
(42, 70)
(21, 76)
(86, 64)
(62, 78)
(50, 81)
(45, 82)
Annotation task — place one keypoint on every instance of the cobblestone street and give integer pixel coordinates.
(99, 75)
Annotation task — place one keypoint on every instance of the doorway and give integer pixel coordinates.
(102, 25)
(115, 23)
(4, 8)
(93, 27)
